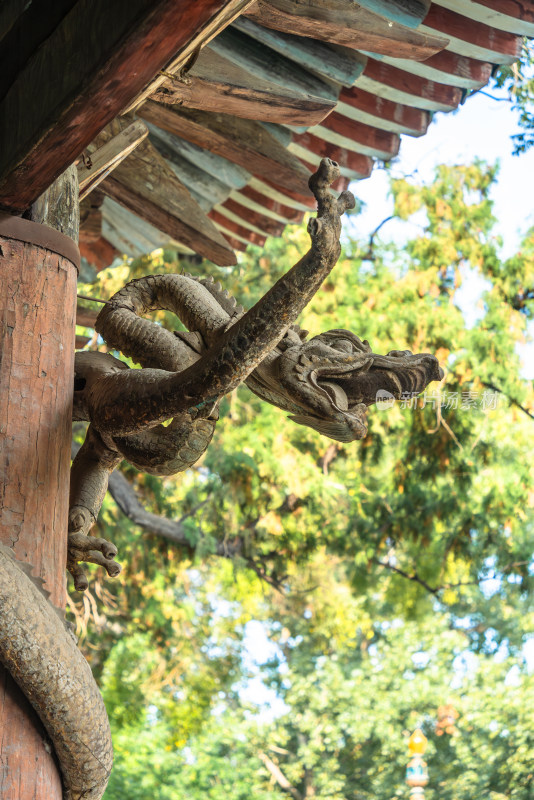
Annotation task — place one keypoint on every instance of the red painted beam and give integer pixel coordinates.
(236, 244)
(387, 143)
(473, 32)
(414, 120)
(51, 112)
(233, 227)
(287, 212)
(518, 9)
(100, 253)
(271, 226)
(403, 81)
(306, 199)
(356, 162)
(478, 72)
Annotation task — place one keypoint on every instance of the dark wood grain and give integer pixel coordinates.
(215, 83)
(50, 114)
(243, 142)
(145, 184)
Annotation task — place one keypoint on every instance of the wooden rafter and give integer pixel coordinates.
(145, 184)
(49, 114)
(215, 82)
(246, 143)
(347, 24)
(105, 157)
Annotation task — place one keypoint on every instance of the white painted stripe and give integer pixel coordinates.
(398, 96)
(350, 144)
(488, 16)
(248, 203)
(274, 194)
(428, 72)
(239, 220)
(471, 50)
(313, 158)
(376, 122)
(231, 233)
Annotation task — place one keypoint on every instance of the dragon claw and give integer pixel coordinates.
(91, 549)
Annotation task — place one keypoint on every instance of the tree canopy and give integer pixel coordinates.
(391, 575)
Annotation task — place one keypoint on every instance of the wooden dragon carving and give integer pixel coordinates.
(326, 383)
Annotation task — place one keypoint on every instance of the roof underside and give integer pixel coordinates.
(287, 83)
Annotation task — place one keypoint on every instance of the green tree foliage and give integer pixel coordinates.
(418, 539)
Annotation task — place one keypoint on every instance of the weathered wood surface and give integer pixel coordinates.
(243, 142)
(347, 24)
(298, 200)
(104, 158)
(132, 235)
(406, 12)
(215, 82)
(237, 244)
(340, 65)
(197, 180)
(146, 185)
(28, 769)
(50, 114)
(471, 38)
(267, 64)
(210, 28)
(222, 170)
(403, 87)
(37, 312)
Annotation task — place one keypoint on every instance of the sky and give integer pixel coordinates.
(481, 128)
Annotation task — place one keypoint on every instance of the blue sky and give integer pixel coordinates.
(481, 128)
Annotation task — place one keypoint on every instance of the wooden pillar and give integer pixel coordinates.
(37, 319)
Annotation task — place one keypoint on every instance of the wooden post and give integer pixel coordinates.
(37, 318)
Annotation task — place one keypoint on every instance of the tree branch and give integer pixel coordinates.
(370, 254)
(279, 776)
(415, 577)
(511, 399)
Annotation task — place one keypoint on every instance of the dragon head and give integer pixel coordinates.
(329, 382)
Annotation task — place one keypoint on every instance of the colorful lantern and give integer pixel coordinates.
(416, 771)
